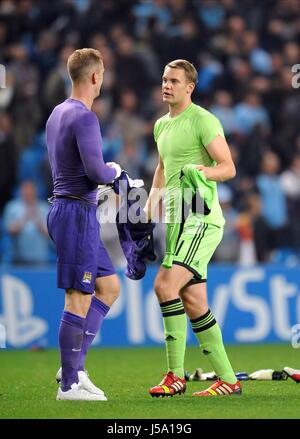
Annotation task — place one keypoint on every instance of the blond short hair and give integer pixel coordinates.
(189, 69)
(81, 61)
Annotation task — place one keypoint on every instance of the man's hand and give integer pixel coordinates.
(206, 171)
(117, 168)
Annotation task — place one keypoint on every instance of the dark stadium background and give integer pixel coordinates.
(247, 54)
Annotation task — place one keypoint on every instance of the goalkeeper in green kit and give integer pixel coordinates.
(194, 155)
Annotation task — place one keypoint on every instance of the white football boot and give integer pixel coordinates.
(77, 393)
(85, 382)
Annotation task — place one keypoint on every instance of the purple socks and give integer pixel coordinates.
(70, 343)
(75, 337)
(93, 321)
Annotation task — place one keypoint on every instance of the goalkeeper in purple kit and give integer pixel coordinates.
(84, 269)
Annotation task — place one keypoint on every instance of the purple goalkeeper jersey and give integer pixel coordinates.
(74, 145)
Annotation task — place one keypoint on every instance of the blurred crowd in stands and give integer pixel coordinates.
(244, 52)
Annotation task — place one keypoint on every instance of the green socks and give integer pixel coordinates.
(209, 336)
(175, 327)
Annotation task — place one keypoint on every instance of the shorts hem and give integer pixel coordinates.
(195, 282)
(192, 270)
(99, 275)
(78, 288)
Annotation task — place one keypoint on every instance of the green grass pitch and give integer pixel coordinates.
(28, 388)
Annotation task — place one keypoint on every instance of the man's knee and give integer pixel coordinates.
(114, 291)
(164, 290)
(159, 287)
(108, 291)
(194, 305)
(77, 302)
(194, 309)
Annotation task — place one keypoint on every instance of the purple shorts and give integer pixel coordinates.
(81, 255)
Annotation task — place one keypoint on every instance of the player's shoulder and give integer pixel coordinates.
(161, 120)
(202, 113)
(81, 111)
(204, 119)
(158, 126)
(77, 109)
(82, 116)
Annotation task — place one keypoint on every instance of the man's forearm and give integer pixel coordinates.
(221, 172)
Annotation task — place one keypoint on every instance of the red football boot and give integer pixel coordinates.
(169, 386)
(221, 388)
(293, 373)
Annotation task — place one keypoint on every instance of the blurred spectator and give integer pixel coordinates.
(212, 13)
(129, 63)
(254, 233)
(7, 93)
(290, 179)
(7, 160)
(260, 59)
(274, 205)
(131, 158)
(58, 85)
(229, 247)
(210, 70)
(144, 12)
(248, 225)
(26, 107)
(290, 182)
(127, 119)
(131, 128)
(250, 113)
(111, 137)
(45, 51)
(32, 165)
(185, 40)
(25, 222)
(222, 109)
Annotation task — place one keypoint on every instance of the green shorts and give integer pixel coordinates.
(195, 244)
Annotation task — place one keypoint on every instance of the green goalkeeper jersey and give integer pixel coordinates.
(182, 140)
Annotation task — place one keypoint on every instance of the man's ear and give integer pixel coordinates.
(94, 78)
(191, 87)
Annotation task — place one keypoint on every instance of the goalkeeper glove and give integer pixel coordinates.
(117, 168)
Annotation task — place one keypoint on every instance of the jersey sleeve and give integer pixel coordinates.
(209, 128)
(89, 142)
